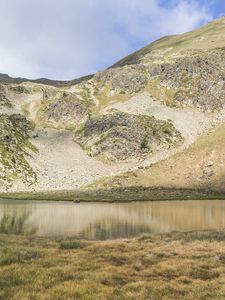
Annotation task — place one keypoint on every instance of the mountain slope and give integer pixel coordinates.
(201, 166)
(207, 37)
(134, 122)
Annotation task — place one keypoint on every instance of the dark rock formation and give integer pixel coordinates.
(121, 136)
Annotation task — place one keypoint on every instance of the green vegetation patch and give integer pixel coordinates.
(14, 147)
(161, 93)
(102, 191)
(10, 256)
(19, 89)
(73, 244)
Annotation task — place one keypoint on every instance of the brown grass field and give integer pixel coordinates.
(170, 266)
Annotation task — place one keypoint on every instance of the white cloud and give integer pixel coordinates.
(68, 38)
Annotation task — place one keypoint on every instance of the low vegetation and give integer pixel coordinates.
(14, 147)
(170, 266)
(95, 193)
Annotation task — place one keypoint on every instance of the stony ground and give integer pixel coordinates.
(62, 164)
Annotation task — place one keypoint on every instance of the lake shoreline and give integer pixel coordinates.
(116, 195)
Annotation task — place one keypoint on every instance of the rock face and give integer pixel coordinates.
(127, 80)
(4, 101)
(193, 78)
(197, 80)
(15, 131)
(64, 110)
(122, 136)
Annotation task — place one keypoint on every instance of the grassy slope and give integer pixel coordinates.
(175, 266)
(184, 170)
(207, 37)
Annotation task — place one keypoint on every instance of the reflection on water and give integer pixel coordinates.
(12, 223)
(108, 221)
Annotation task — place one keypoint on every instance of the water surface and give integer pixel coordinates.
(108, 221)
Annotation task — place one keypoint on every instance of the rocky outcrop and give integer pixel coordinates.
(4, 101)
(15, 132)
(197, 79)
(65, 110)
(192, 78)
(122, 136)
(130, 79)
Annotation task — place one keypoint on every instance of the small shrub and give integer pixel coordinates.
(144, 143)
(204, 274)
(72, 244)
(18, 256)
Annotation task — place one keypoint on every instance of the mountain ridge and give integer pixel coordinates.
(6, 79)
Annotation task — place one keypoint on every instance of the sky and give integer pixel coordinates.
(65, 39)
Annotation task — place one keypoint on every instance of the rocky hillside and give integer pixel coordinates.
(15, 132)
(154, 119)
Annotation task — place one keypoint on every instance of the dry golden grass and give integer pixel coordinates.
(172, 266)
(185, 169)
